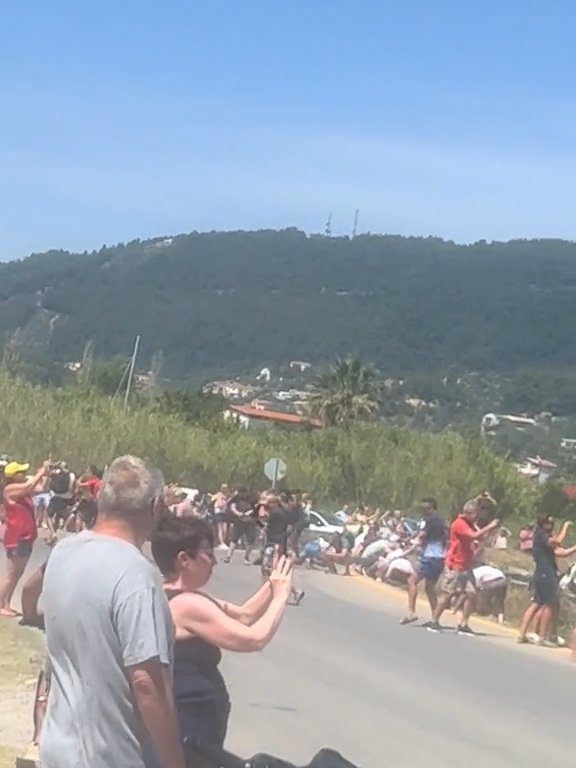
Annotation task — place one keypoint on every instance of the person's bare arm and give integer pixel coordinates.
(16, 490)
(252, 609)
(31, 592)
(565, 551)
(152, 690)
(200, 616)
(559, 539)
(483, 532)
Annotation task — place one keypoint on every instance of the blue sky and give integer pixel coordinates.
(137, 118)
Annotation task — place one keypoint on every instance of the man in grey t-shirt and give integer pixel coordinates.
(110, 637)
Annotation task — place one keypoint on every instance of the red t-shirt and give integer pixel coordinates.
(20, 521)
(93, 484)
(461, 549)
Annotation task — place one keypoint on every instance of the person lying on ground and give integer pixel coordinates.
(183, 549)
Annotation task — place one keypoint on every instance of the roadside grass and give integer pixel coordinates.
(7, 757)
(21, 654)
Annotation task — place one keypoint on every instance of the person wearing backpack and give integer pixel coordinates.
(62, 483)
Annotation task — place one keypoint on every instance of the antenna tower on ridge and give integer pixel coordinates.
(355, 227)
(328, 230)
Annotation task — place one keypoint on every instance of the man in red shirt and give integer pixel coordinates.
(92, 480)
(457, 577)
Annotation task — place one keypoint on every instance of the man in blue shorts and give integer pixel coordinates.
(432, 537)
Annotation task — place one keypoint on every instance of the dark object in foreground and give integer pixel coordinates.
(326, 758)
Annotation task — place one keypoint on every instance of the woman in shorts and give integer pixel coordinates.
(19, 522)
(546, 548)
(221, 500)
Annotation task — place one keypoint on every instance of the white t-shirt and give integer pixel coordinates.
(484, 574)
(401, 564)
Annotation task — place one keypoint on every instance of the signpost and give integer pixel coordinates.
(275, 470)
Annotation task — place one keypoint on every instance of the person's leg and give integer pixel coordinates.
(221, 529)
(330, 561)
(573, 646)
(458, 604)
(469, 604)
(529, 616)
(31, 592)
(15, 566)
(41, 701)
(448, 588)
(413, 583)
(430, 589)
(347, 562)
(545, 620)
(233, 544)
(249, 541)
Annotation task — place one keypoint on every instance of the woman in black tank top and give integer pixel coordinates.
(183, 548)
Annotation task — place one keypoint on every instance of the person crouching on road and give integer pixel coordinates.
(457, 577)
(20, 530)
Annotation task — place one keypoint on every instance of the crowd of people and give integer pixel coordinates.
(134, 650)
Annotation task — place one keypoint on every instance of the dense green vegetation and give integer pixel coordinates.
(234, 301)
(369, 463)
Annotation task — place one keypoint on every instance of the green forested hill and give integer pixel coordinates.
(234, 301)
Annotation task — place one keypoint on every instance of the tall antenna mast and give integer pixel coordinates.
(355, 227)
(328, 230)
(131, 370)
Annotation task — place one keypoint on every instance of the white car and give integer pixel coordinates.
(325, 523)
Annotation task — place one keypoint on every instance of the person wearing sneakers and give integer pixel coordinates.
(545, 549)
(18, 520)
(432, 539)
(457, 576)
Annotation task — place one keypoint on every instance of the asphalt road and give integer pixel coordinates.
(343, 673)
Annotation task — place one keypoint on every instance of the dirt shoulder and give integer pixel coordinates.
(21, 655)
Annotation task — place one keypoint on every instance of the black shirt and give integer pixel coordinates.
(277, 526)
(543, 553)
(434, 530)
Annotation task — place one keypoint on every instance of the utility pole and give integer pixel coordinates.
(355, 227)
(131, 370)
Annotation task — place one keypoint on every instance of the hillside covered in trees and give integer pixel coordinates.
(231, 302)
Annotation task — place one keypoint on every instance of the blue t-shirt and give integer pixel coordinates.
(434, 543)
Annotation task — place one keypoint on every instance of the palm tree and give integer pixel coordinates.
(347, 392)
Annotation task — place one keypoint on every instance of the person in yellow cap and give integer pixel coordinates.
(19, 526)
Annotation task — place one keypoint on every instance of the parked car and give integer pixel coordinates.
(411, 525)
(324, 523)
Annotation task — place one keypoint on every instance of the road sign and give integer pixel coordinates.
(275, 470)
